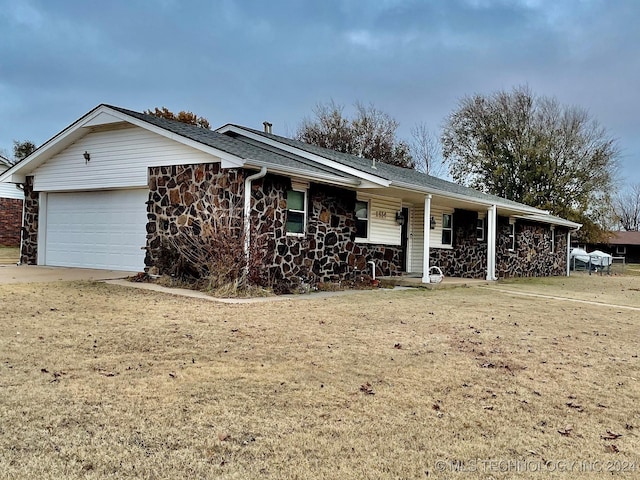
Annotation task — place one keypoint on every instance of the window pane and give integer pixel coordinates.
(446, 237)
(446, 221)
(361, 228)
(295, 222)
(295, 200)
(361, 210)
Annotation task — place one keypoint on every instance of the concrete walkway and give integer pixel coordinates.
(36, 273)
(183, 292)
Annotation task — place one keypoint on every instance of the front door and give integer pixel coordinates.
(404, 240)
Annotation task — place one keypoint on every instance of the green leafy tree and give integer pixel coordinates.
(22, 150)
(182, 116)
(370, 134)
(535, 151)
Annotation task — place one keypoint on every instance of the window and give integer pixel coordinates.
(553, 240)
(447, 229)
(512, 235)
(296, 212)
(362, 219)
(480, 229)
(621, 250)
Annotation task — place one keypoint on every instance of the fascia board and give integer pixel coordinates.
(468, 199)
(311, 156)
(550, 220)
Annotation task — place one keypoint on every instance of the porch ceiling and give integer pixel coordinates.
(417, 199)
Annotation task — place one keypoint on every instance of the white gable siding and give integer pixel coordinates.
(120, 158)
(9, 190)
(383, 227)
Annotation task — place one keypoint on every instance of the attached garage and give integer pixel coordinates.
(97, 229)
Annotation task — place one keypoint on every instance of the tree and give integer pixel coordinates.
(532, 150)
(426, 151)
(22, 150)
(370, 134)
(627, 208)
(182, 116)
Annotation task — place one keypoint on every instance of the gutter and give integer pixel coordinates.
(334, 180)
(457, 196)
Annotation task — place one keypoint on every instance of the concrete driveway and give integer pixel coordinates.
(33, 273)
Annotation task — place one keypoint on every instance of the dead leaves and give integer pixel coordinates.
(610, 435)
(56, 375)
(575, 406)
(367, 389)
(566, 431)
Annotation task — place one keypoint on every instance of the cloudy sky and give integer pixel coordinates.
(249, 61)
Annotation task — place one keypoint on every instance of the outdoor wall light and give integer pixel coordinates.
(399, 218)
(432, 223)
(87, 156)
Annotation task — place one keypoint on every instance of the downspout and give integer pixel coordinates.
(247, 211)
(373, 269)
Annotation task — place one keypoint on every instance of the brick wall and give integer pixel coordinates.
(10, 221)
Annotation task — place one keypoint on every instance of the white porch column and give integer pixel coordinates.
(491, 242)
(568, 252)
(427, 235)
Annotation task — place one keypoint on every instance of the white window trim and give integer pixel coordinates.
(368, 202)
(553, 239)
(304, 213)
(621, 250)
(482, 228)
(512, 234)
(447, 245)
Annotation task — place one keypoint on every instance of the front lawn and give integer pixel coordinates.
(101, 381)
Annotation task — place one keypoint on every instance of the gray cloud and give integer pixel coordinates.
(245, 61)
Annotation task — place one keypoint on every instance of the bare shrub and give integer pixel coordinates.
(211, 256)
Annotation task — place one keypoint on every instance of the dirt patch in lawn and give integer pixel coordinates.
(102, 381)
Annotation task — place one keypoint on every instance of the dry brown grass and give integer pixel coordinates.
(101, 381)
(9, 255)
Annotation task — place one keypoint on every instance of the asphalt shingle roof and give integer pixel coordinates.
(240, 147)
(389, 172)
(249, 149)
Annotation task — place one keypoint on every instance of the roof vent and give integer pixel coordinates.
(267, 127)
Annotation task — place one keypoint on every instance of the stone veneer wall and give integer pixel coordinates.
(532, 256)
(10, 221)
(468, 257)
(178, 202)
(328, 251)
(29, 253)
(187, 199)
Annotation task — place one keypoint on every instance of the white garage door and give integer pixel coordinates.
(103, 229)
